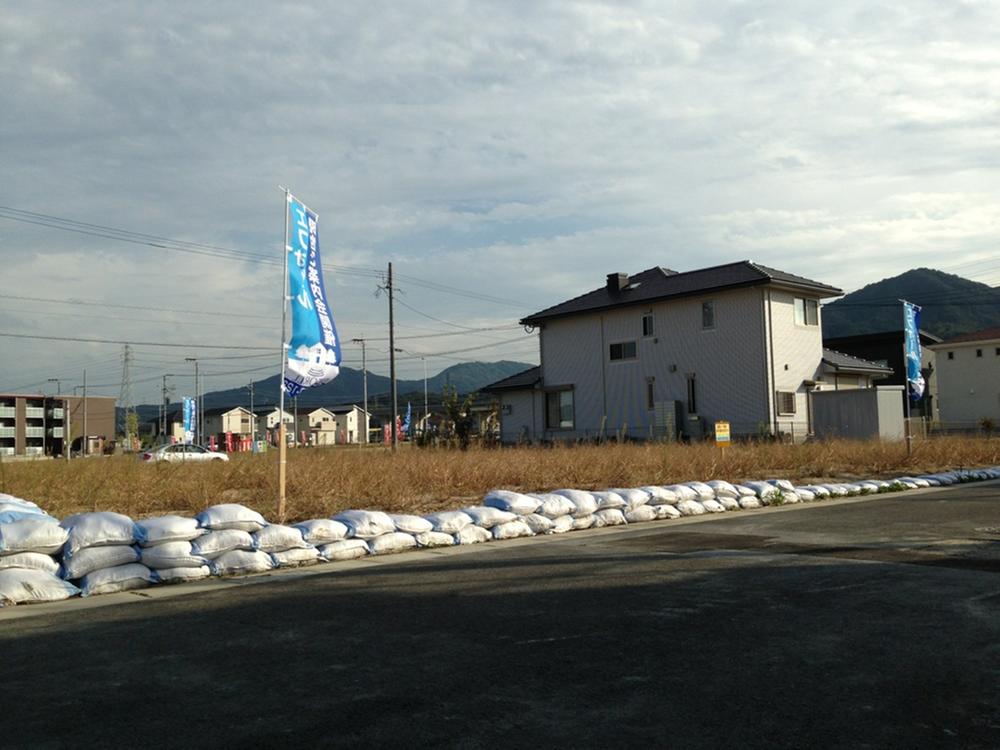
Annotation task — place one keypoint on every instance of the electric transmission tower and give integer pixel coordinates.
(126, 406)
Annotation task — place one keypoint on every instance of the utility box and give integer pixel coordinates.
(860, 414)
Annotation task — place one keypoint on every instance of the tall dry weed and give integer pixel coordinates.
(324, 481)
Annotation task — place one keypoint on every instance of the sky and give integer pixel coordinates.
(504, 156)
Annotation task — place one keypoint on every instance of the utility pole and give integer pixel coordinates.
(164, 406)
(253, 425)
(197, 403)
(364, 383)
(86, 438)
(424, 360)
(125, 399)
(392, 361)
(295, 423)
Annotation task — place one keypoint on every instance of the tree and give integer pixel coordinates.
(458, 414)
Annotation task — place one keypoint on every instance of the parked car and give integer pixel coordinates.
(183, 452)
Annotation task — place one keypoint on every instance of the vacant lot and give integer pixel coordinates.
(323, 481)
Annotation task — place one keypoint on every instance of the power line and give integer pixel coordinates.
(134, 343)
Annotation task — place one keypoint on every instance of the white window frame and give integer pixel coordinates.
(803, 305)
(780, 397)
(708, 304)
(651, 328)
(622, 357)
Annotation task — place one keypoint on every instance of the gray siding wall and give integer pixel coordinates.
(860, 414)
(728, 362)
(525, 419)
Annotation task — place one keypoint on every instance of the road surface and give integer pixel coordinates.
(862, 623)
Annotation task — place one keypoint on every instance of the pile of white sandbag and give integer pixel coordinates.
(166, 547)
(377, 530)
(99, 553)
(286, 545)
(29, 541)
(228, 544)
(332, 539)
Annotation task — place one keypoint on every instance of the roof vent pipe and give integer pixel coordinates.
(617, 282)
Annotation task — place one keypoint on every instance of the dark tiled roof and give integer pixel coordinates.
(657, 283)
(841, 361)
(895, 336)
(984, 335)
(524, 379)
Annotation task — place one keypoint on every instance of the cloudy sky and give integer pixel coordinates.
(503, 155)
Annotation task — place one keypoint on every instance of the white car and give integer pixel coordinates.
(183, 452)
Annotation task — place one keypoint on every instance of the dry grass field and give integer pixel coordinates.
(324, 481)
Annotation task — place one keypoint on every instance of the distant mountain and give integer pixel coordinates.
(348, 388)
(951, 305)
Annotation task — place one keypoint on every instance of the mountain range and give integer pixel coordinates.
(348, 387)
(952, 305)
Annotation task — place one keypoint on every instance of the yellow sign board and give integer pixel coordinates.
(721, 432)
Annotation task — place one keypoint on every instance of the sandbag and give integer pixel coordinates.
(449, 521)
(434, 539)
(512, 502)
(295, 557)
(538, 523)
(561, 525)
(344, 549)
(113, 580)
(20, 585)
(366, 524)
(641, 514)
(395, 541)
(782, 484)
(727, 502)
(323, 531)
(278, 538)
(713, 506)
(487, 517)
(666, 511)
(410, 524)
(168, 555)
(512, 530)
(162, 529)
(180, 575)
(472, 535)
(90, 559)
(41, 534)
(97, 530)
(763, 490)
(31, 561)
(231, 516)
(216, 543)
(609, 517)
(804, 495)
(690, 507)
(585, 503)
(583, 522)
(241, 562)
(608, 500)
(744, 490)
(683, 492)
(660, 495)
(633, 497)
(749, 502)
(553, 505)
(705, 492)
(723, 489)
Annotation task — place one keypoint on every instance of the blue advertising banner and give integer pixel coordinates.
(190, 418)
(314, 347)
(911, 329)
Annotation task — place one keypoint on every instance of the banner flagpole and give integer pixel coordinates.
(281, 397)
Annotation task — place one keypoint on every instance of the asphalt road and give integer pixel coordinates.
(848, 624)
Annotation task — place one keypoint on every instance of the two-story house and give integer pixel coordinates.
(663, 352)
(968, 373)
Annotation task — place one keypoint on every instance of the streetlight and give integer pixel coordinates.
(197, 421)
(163, 407)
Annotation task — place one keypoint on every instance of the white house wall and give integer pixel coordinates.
(521, 415)
(968, 386)
(798, 352)
(728, 363)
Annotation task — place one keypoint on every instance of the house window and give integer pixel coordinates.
(806, 312)
(559, 410)
(979, 352)
(692, 397)
(707, 315)
(647, 324)
(650, 395)
(624, 350)
(786, 402)
(951, 355)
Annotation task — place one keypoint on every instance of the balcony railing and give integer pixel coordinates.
(56, 413)
(34, 432)
(8, 411)
(34, 412)
(55, 432)
(7, 432)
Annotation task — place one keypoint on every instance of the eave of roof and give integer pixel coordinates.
(840, 361)
(986, 334)
(657, 284)
(518, 381)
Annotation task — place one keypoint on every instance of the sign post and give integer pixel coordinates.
(722, 436)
